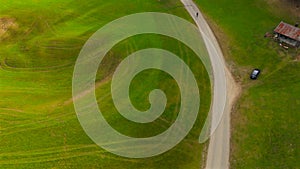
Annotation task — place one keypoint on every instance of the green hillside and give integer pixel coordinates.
(38, 50)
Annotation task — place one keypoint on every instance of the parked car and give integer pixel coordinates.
(254, 74)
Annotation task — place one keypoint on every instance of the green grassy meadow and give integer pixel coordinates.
(38, 124)
(265, 123)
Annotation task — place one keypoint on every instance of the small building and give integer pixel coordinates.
(288, 34)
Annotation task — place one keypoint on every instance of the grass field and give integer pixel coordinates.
(38, 124)
(265, 123)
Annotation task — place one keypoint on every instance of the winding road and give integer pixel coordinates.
(225, 92)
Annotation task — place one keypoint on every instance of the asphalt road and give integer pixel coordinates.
(225, 92)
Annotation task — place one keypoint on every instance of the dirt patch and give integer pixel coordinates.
(297, 58)
(7, 24)
(292, 7)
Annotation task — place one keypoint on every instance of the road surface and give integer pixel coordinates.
(219, 143)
